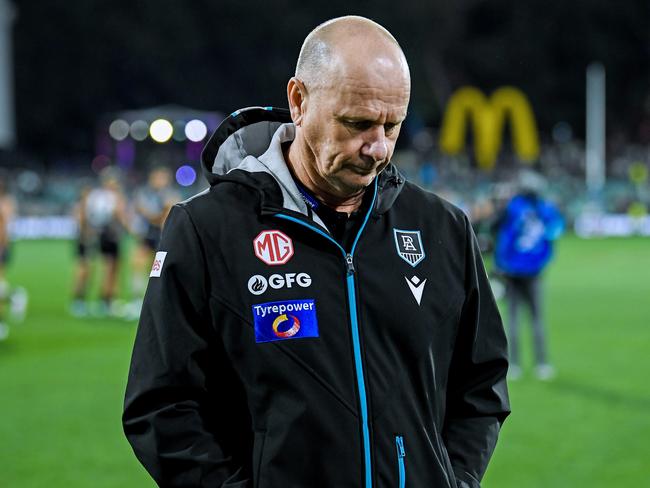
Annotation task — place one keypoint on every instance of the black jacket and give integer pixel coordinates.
(268, 356)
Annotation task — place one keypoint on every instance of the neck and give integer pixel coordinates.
(301, 163)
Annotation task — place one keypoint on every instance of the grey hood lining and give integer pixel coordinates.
(258, 148)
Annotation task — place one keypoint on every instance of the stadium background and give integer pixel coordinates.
(80, 66)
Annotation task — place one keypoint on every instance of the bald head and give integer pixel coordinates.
(346, 43)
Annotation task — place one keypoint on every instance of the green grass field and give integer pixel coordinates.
(62, 381)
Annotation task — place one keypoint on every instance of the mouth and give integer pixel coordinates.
(362, 169)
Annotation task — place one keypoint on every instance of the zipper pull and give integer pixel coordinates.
(349, 265)
(400, 446)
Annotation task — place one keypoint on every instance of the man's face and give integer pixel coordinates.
(352, 125)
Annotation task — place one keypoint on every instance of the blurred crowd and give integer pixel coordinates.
(117, 222)
(55, 190)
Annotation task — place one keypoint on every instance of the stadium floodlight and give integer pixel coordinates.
(185, 175)
(139, 130)
(196, 130)
(119, 129)
(161, 130)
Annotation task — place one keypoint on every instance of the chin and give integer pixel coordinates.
(358, 182)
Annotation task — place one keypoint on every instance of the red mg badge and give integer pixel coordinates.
(273, 247)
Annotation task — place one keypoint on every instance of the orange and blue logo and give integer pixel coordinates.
(281, 321)
(290, 319)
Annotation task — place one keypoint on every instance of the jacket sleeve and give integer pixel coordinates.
(178, 426)
(477, 396)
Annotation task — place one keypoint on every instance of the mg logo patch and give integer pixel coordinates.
(409, 246)
(273, 247)
(156, 267)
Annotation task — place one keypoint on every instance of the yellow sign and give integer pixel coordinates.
(488, 116)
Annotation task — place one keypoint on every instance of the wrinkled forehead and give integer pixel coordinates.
(364, 101)
(364, 91)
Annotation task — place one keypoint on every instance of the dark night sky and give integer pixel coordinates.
(77, 60)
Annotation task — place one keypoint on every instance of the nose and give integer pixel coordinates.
(375, 146)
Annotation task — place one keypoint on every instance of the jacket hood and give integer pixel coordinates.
(242, 149)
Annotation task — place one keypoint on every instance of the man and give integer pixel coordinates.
(152, 204)
(105, 212)
(526, 230)
(313, 320)
(83, 248)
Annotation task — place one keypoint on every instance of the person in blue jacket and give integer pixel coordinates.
(526, 231)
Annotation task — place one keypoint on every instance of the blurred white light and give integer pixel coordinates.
(179, 130)
(139, 130)
(161, 130)
(196, 130)
(119, 129)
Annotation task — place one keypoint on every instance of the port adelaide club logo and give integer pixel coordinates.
(409, 246)
(273, 247)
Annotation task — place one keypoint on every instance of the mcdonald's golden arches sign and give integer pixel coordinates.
(488, 116)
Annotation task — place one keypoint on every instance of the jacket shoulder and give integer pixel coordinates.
(423, 201)
(212, 201)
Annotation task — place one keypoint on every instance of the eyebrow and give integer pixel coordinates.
(366, 118)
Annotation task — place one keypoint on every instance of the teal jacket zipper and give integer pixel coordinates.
(354, 325)
(401, 454)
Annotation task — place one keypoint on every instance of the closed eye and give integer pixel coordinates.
(390, 128)
(363, 125)
(359, 125)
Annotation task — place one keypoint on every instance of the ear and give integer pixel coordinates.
(297, 95)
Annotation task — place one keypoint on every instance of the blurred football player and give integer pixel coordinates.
(105, 212)
(152, 204)
(84, 247)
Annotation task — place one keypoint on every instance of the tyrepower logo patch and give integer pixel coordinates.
(273, 247)
(291, 319)
(158, 261)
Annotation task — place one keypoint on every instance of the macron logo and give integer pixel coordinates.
(156, 267)
(417, 287)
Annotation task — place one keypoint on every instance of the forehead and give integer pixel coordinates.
(377, 89)
(369, 102)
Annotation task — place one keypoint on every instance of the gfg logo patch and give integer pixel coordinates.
(258, 284)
